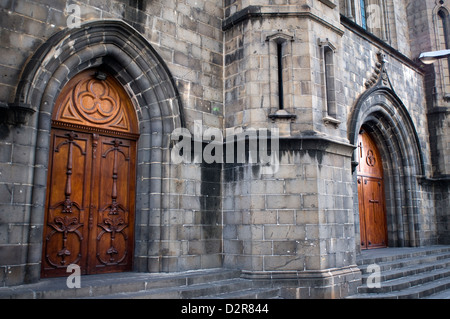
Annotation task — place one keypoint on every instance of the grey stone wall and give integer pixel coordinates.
(405, 78)
(294, 222)
(187, 35)
(203, 61)
(177, 215)
(297, 221)
(423, 21)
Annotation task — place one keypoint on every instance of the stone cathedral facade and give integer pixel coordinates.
(96, 98)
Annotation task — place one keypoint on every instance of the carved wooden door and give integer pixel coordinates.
(91, 180)
(372, 211)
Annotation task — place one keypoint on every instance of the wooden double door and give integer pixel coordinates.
(91, 179)
(372, 209)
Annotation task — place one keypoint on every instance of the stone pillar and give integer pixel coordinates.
(292, 225)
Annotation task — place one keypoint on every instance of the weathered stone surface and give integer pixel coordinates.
(189, 62)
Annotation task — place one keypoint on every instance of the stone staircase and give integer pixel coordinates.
(405, 273)
(211, 284)
(422, 272)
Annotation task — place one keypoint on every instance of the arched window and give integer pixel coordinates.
(444, 43)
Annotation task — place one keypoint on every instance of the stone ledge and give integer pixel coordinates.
(331, 120)
(329, 3)
(302, 275)
(253, 12)
(282, 115)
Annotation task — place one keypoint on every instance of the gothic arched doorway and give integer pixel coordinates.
(90, 203)
(372, 208)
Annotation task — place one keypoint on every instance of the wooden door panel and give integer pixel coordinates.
(91, 181)
(90, 220)
(362, 219)
(65, 230)
(370, 163)
(372, 211)
(114, 218)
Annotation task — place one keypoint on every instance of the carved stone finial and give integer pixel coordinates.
(379, 76)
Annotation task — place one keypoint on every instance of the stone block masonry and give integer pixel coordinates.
(293, 223)
(188, 37)
(308, 69)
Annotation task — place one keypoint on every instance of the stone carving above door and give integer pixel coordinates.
(94, 102)
(379, 77)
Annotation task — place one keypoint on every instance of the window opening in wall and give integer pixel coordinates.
(363, 15)
(280, 63)
(280, 74)
(374, 18)
(329, 81)
(444, 42)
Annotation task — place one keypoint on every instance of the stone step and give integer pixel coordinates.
(402, 283)
(408, 268)
(394, 254)
(405, 273)
(211, 284)
(186, 291)
(109, 284)
(252, 293)
(416, 292)
(444, 294)
(408, 261)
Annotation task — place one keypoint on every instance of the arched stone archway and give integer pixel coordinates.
(120, 50)
(386, 118)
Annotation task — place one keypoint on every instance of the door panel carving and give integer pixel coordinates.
(114, 220)
(91, 181)
(67, 203)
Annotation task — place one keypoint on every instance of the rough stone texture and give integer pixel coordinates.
(282, 221)
(186, 62)
(188, 38)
